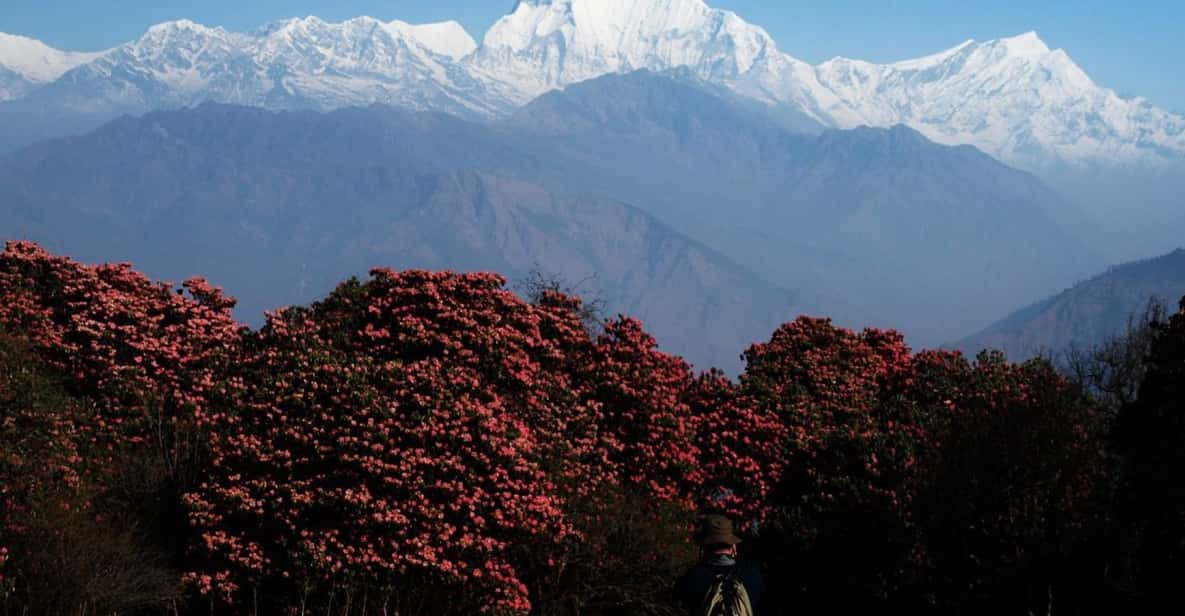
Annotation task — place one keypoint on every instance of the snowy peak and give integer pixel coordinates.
(1014, 97)
(37, 61)
(301, 63)
(447, 38)
(929, 61)
(168, 28)
(545, 44)
(1027, 45)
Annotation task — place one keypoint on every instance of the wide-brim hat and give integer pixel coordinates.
(715, 530)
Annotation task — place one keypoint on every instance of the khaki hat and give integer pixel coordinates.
(715, 530)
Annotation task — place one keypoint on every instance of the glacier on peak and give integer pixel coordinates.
(181, 25)
(36, 61)
(924, 62)
(1042, 107)
(1025, 45)
(547, 44)
(1013, 97)
(447, 38)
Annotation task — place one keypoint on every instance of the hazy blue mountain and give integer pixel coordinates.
(1141, 208)
(934, 239)
(13, 84)
(1086, 313)
(278, 207)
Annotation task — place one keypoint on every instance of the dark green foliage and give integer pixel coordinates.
(1150, 439)
(1012, 490)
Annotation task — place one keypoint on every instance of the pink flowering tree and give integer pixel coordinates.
(144, 356)
(1011, 494)
(841, 525)
(407, 432)
(741, 450)
(144, 352)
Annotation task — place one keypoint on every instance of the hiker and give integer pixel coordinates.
(720, 585)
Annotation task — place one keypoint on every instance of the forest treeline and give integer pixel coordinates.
(432, 443)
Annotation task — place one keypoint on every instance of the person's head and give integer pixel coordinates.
(715, 535)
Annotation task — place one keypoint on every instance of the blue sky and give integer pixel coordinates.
(1135, 47)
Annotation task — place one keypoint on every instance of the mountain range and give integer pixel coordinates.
(864, 213)
(26, 64)
(870, 226)
(1091, 311)
(279, 208)
(1014, 98)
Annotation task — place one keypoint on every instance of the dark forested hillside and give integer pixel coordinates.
(1087, 313)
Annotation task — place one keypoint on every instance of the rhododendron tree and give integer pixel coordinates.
(145, 356)
(144, 352)
(58, 552)
(38, 457)
(741, 448)
(649, 430)
(1013, 488)
(842, 527)
(416, 424)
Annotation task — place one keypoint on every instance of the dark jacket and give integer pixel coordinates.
(693, 586)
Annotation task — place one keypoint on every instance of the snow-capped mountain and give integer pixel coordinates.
(1015, 98)
(26, 63)
(297, 63)
(548, 44)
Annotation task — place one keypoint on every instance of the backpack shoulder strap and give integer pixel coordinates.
(714, 599)
(727, 596)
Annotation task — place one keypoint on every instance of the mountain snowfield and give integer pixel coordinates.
(292, 64)
(26, 63)
(1014, 98)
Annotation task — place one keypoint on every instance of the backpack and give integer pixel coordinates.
(727, 597)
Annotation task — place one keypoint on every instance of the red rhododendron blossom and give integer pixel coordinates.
(417, 422)
(145, 352)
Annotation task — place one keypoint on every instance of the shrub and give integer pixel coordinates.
(61, 552)
(841, 533)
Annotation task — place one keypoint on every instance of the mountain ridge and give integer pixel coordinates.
(27, 63)
(343, 193)
(1086, 313)
(1043, 109)
(935, 225)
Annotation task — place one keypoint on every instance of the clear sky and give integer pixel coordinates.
(1135, 47)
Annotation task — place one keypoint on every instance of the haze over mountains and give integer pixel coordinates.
(864, 213)
(279, 208)
(714, 184)
(1093, 310)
